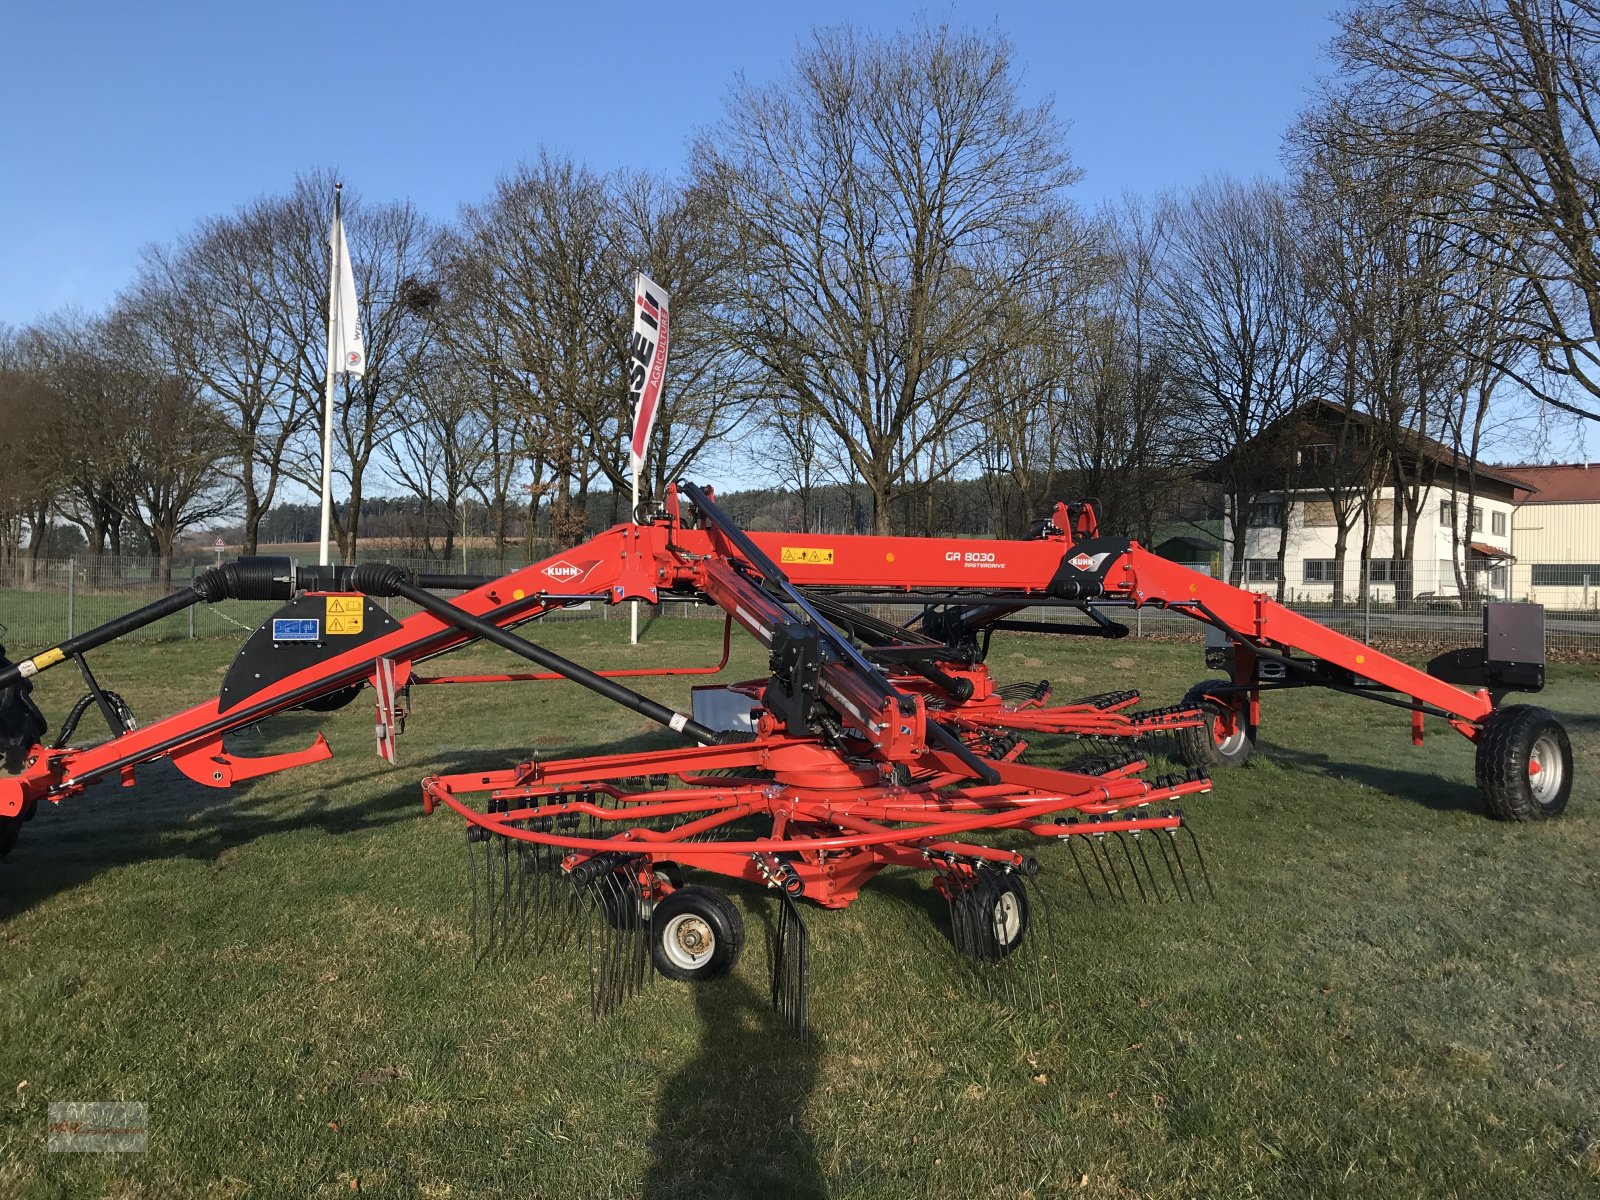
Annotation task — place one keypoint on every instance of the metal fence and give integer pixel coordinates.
(43, 603)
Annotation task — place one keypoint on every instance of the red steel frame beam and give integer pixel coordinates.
(641, 561)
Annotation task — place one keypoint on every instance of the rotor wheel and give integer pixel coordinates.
(1225, 740)
(1000, 915)
(1524, 764)
(696, 935)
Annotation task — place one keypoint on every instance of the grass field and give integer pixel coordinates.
(1392, 996)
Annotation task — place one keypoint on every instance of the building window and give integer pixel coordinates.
(1321, 570)
(1497, 522)
(1382, 570)
(1447, 516)
(1262, 570)
(1566, 574)
(1320, 455)
(1266, 514)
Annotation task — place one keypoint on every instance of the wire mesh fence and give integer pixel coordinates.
(49, 600)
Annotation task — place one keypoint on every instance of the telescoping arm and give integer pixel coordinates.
(992, 579)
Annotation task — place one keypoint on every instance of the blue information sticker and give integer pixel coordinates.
(296, 629)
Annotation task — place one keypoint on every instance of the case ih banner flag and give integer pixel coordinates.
(648, 363)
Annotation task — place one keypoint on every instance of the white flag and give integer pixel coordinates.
(345, 352)
(648, 365)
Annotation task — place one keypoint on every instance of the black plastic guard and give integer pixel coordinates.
(22, 725)
(308, 630)
(1511, 658)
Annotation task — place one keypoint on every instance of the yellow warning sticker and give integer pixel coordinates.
(345, 614)
(812, 555)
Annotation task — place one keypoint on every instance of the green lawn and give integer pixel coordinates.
(1391, 995)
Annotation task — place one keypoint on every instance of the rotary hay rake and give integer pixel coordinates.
(871, 743)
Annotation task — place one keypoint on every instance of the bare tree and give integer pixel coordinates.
(1237, 328)
(533, 270)
(220, 311)
(886, 201)
(181, 446)
(91, 443)
(1500, 93)
(1038, 395)
(30, 489)
(1123, 442)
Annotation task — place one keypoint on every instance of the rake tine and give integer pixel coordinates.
(622, 914)
(642, 913)
(1145, 859)
(638, 926)
(1039, 902)
(603, 889)
(1204, 873)
(1022, 966)
(1132, 869)
(564, 891)
(594, 952)
(472, 895)
(1183, 870)
(1161, 845)
(615, 919)
(1105, 853)
(524, 899)
(493, 895)
(791, 968)
(505, 892)
(1072, 847)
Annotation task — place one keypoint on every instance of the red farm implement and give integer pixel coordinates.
(872, 743)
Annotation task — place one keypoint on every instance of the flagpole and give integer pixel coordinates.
(327, 399)
(633, 515)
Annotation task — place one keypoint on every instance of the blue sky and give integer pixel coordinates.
(126, 123)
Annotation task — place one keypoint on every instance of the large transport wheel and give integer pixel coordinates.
(1524, 764)
(1225, 740)
(696, 935)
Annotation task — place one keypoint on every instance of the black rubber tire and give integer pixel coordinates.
(696, 935)
(1005, 927)
(10, 828)
(1512, 739)
(1198, 747)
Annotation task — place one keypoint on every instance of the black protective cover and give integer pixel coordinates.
(262, 661)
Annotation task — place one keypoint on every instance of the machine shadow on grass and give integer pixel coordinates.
(731, 1121)
(178, 819)
(1431, 791)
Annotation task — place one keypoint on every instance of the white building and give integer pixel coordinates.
(1556, 535)
(1314, 453)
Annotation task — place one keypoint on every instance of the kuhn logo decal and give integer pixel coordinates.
(567, 572)
(1085, 562)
